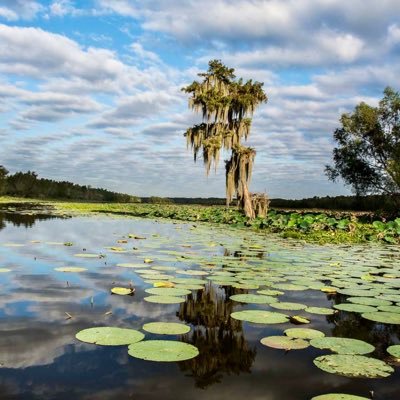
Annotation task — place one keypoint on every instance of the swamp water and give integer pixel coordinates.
(43, 309)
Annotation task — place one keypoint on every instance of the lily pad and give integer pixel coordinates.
(320, 310)
(342, 345)
(168, 291)
(109, 336)
(163, 350)
(369, 301)
(338, 396)
(383, 317)
(284, 342)
(352, 307)
(353, 366)
(303, 333)
(122, 291)
(260, 317)
(164, 299)
(394, 350)
(70, 269)
(253, 298)
(5, 270)
(166, 328)
(288, 306)
(87, 255)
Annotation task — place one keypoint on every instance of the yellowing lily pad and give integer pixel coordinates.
(122, 291)
(338, 396)
(163, 350)
(109, 336)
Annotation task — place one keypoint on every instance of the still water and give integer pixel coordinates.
(40, 358)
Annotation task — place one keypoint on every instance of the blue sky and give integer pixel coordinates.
(90, 90)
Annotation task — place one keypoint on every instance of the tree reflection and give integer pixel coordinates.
(22, 219)
(219, 338)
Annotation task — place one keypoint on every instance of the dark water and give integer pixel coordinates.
(41, 359)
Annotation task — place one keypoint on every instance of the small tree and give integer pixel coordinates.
(227, 106)
(3, 179)
(368, 154)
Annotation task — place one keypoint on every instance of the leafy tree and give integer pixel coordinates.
(3, 179)
(227, 105)
(367, 156)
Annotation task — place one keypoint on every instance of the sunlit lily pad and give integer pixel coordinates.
(253, 298)
(342, 345)
(369, 301)
(353, 366)
(288, 306)
(303, 333)
(353, 307)
(130, 265)
(284, 342)
(166, 328)
(320, 310)
(290, 286)
(163, 350)
(270, 292)
(122, 291)
(260, 317)
(87, 255)
(394, 350)
(109, 336)
(168, 291)
(338, 396)
(2, 270)
(383, 317)
(70, 269)
(164, 299)
(393, 309)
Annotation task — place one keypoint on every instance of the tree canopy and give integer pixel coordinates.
(227, 105)
(367, 156)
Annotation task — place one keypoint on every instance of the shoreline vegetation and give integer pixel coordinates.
(313, 226)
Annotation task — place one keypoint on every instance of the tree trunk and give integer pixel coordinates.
(246, 203)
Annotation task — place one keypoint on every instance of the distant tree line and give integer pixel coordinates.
(28, 184)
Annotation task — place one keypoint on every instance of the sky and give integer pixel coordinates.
(90, 91)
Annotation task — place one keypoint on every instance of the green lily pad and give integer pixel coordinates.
(352, 307)
(87, 255)
(270, 292)
(163, 350)
(290, 286)
(166, 328)
(369, 301)
(284, 342)
(338, 396)
(260, 317)
(394, 350)
(109, 336)
(164, 299)
(168, 291)
(122, 291)
(320, 310)
(393, 309)
(130, 265)
(253, 298)
(70, 269)
(383, 317)
(353, 366)
(303, 333)
(288, 306)
(5, 270)
(342, 345)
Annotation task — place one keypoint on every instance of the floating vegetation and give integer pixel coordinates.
(285, 342)
(342, 345)
(166, 328)
(394, 351)
(164, 299)
(303, 333)
(260, 317)
(338, 396)
(163, 350)
(383, 317)
(353, 366)
(122, 291)
(109, 336)
(70, 269)
(288, 306)
(253, 298)
(168, 291)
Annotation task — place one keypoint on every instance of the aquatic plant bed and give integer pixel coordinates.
(315, 227)
(104, 307)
